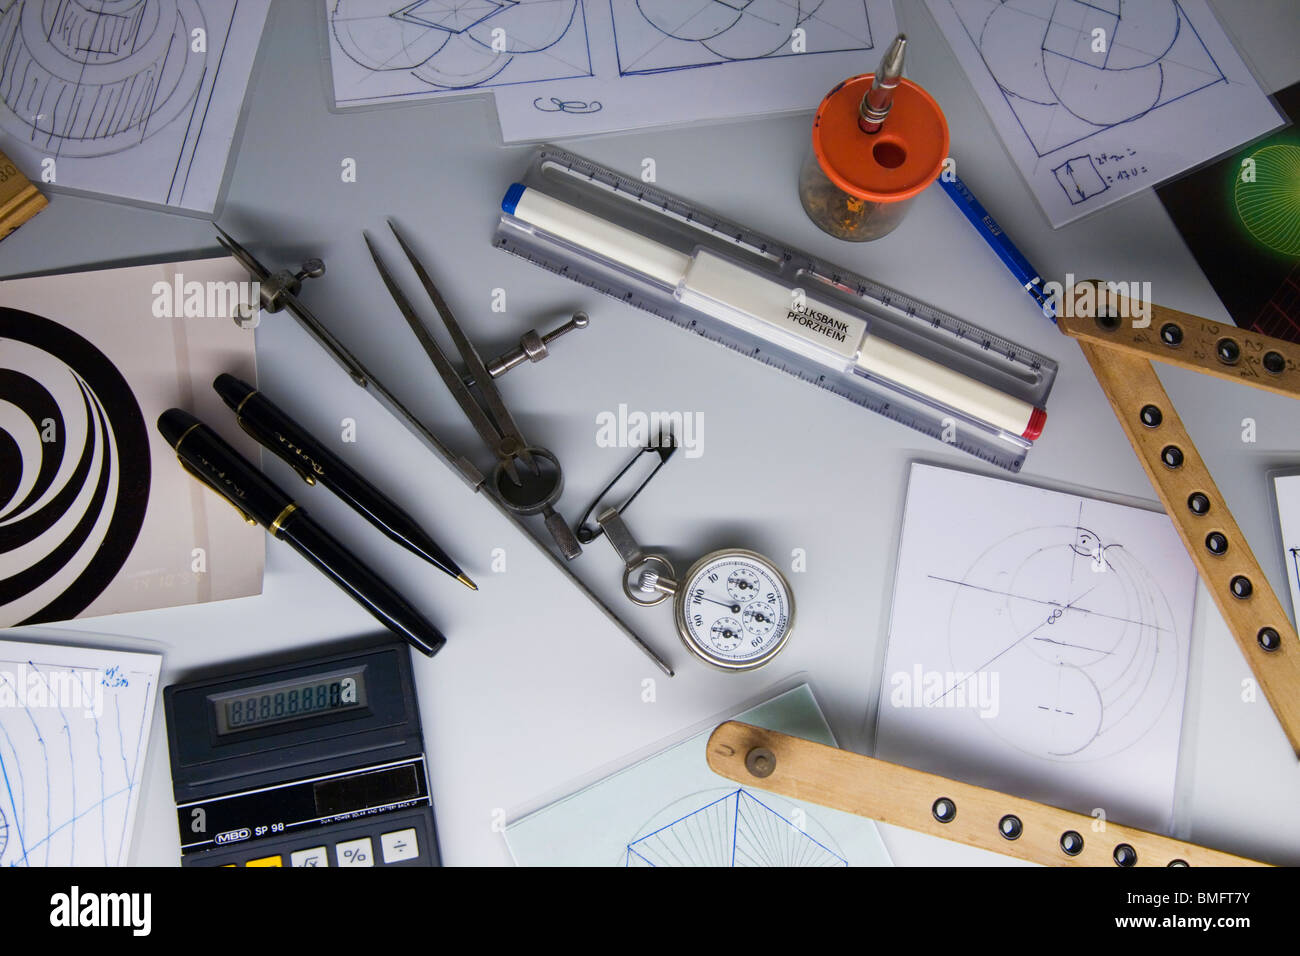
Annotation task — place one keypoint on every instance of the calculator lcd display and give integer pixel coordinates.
(285, 701)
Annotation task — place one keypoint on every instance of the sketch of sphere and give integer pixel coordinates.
(92, 77)
(1079, 635)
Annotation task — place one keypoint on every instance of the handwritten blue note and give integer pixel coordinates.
(74, 731)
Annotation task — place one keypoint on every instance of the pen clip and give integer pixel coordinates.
(277, 448)
(220, 494)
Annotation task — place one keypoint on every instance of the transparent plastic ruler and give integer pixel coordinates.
(899, 319)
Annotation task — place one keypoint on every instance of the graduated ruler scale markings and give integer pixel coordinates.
(947, 377)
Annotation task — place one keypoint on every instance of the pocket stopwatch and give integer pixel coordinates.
(733, 609)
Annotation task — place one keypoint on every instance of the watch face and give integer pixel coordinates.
(734, 609)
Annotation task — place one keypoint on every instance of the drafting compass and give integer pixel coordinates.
(527, 478)
(279, 291)
(734, 609)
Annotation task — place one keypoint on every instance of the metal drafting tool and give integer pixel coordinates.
(917, 334)
(733, 609)
(1121, 355)
(530, 490)
(939, 806)
(280, 291)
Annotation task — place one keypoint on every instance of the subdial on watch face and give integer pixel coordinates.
(725, 634)
(742, 585)
(759, 618)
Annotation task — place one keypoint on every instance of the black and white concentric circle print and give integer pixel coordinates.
(74, 470)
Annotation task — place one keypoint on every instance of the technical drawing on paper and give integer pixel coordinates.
(403, 48)
(1038, 644)
(737, 828)
(1085, 629)
(86, 79)
(74, 730)
(655, 36)
(1062, 85)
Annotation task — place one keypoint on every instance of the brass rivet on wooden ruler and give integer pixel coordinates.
(1125, 855)
(1269, 638)
(1178, 863)
(1241, 587)
(1171, 334)
(1216, 542)
(1172, 456)
(1010, 827)
(1151, 416)
(1198, 503)
(1228, 351)
(1274, 363)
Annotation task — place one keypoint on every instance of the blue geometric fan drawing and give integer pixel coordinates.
(737, 829)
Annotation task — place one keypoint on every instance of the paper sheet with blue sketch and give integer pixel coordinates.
(572, 67)
(672, 810)
(1100, 99)
(74, 731)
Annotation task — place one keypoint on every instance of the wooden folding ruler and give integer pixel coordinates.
(1121, 355)
(19, 199)
(815, 773)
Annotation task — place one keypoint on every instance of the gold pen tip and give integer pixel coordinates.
(467, 582)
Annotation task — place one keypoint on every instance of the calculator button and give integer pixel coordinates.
(266, 861)
(316, 856)
(400, 845)
(355, 853)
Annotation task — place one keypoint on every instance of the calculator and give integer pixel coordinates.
(316, 763)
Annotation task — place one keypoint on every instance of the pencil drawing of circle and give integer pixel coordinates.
(1078, 637)
(1069, 69)
(452, 45)
(92, 77)
(77, 459)
(731, 827)
(735, 29)
(374, 37)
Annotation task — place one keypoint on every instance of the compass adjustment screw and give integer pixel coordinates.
(533, 347)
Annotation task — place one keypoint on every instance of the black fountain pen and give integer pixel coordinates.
(206, 456)
(275, 430)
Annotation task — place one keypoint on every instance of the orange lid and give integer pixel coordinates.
(897, 162)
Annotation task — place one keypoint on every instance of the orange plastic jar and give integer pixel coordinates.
(857, 185)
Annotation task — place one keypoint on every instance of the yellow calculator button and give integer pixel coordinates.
(266, 861)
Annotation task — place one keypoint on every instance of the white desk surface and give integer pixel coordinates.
(534, 690)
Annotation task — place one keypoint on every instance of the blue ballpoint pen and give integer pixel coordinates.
(1025, 274)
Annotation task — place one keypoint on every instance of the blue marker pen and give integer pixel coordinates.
(988, 227)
